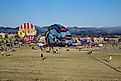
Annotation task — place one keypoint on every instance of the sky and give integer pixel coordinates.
(86, 13)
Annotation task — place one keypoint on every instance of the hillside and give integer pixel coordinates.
(73, 30)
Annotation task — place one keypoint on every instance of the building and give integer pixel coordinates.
(11, 35)
(2, 35)
(98, 39)
(113, 39)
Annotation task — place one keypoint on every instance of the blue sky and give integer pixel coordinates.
(65, 12)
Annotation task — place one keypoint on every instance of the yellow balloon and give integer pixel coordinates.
(26, 29)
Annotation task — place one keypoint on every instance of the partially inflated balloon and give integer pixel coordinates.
(58, 35)
(27, 31)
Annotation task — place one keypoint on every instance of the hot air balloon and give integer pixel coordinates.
(27, 31)
(58, 35)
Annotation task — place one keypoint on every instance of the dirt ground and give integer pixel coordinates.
(27, 65)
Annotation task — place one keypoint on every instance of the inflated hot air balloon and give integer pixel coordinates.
(58, 35)
(27, 31)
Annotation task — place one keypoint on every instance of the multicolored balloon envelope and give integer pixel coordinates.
(27, 31)
(29, 38)
(58, 35)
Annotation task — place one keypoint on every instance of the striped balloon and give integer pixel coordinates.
(27, 31)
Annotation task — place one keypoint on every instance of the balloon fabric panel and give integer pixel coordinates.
(57, 35)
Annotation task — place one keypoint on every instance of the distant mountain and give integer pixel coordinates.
(9, 29)
(41, 30)
(95, 30)
(73, 30)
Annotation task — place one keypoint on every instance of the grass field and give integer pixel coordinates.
(26, 65)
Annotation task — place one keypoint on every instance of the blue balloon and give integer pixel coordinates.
(58, 34)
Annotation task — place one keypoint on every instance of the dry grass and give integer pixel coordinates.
(73, 65)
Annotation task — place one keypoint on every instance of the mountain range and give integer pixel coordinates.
(74, 30)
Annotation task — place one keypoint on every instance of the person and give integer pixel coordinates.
(89, 52)
(47, 49)
(110, 57)
(55, 51)
(2, 53)
(42, 56)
